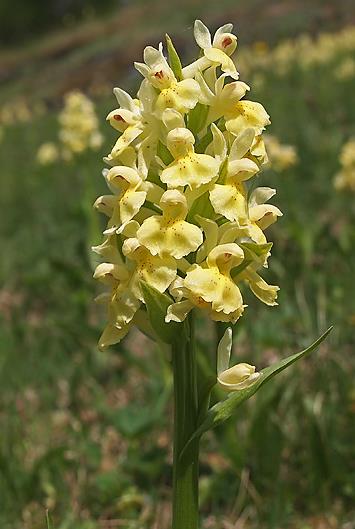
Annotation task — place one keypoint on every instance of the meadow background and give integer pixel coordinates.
(86, 434)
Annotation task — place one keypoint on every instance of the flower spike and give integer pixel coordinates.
(184, 217)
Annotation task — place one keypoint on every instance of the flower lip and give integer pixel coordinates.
(238, 377)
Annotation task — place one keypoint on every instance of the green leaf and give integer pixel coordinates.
(204, 396)
(174, 59)
(222, 411)
(164, 153)
(239, 269)
(196, 118)
(253, 250)
(157, 305)
(204, 142)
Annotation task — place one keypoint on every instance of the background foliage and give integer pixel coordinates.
(86, 434)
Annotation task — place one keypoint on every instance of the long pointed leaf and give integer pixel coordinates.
(222, 411)
(174, 59)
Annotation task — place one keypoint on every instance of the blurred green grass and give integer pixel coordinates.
(86, 434)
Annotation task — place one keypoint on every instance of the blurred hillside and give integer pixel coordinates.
(99, 51)
(40, 16)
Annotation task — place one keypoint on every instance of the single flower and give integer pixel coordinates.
(188, 168)
(169, 233)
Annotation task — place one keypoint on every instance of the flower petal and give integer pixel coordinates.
(229, 201)
(202, 35)
(181, 96)
(215, 288)
(130, 204)
(248, 114)
(238, 377)
(262, 290)
(129, 135)
(219, 57)
(192, 170)
(178, 311)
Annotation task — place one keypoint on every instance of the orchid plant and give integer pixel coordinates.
(186, 231)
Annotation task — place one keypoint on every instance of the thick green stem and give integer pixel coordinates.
(185, 478)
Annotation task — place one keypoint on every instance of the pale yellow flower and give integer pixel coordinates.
(169, 233)
(234, 378)
(281, 156)
(229, 198)
(181, 95)
(210, 287)
(182, 215)
(159, 272)
(131, 193)
(216, 52)
(188, 167)
(247, 114)
(345, 178)
(121, 301)
(79, 125)
(127, 119)
(262, 290)
(125, 297)
(260, 213)
(47, 153)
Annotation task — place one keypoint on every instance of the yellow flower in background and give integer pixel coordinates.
(20, 110)
(47, 153)
(79, 130)
(219, 96)
(335, 49)
(345, 70)
(345, 179)
(183, 216)
(79, 125)
(281, 156)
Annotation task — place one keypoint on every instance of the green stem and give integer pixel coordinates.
(185, 470)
